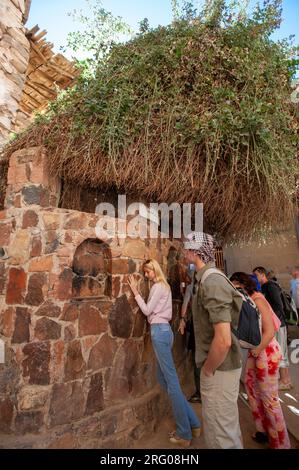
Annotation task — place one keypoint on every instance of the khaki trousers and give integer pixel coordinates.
(219, 395)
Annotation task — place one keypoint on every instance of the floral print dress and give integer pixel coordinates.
(261, 381)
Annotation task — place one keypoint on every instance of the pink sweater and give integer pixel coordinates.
(159, 306)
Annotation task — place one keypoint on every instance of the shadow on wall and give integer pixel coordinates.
(173, 273)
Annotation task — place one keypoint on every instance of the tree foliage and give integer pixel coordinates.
(99, 30)
(198, 110)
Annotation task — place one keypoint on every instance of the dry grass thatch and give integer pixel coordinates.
(184, 113)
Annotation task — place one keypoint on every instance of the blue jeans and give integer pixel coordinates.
(184, 415)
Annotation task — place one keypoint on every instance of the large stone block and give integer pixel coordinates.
(17, 200)
(6, 415)
(36, 195)
(70, 333)
(139, 324)
(17, 174)
(89, 431)
(87, 343)
(67, 403)
(75, 221)
(18, 250)
(51, 220)
(64, 285)
(125, 288)
(70, 312)
(10, 15)
(134, 248)
(48, 309)
(5, 122)
(52, 246)
(25, 155)
(109, 424)
(95, 398)
(37, 286)
(5, 232)
(7, 321)
(3, 275)
(17, 79)
(43, 264)
(39, 174)
(75, 365)
(67, 441)
(147, 353)
(30, 219)
(57, 360)
(104, 305)
(29, 422)
(21, 332)
(16, 286)
(121, 318)
(11, 43)
(90, 321)
(116, 286)
(36, 247)
(47, 329)
(102, 353)
(123, 266)
(36, 364)
(50, 236)
(124, 379)
(32, 396)
(19, 63)
(145, 414)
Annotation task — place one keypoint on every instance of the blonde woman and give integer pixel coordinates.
(159, 312)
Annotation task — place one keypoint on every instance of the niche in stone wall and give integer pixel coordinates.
(173, 272)
(92, 270)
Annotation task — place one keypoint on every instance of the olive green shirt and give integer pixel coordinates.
(215, 301)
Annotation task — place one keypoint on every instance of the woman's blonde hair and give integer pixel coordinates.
(155, 266)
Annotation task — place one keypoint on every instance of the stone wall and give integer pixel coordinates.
(79, 366)
(278, 253)
(14, 57)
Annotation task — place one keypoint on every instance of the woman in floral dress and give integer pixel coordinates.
(262, 373)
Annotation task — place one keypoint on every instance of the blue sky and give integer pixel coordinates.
(53, 15)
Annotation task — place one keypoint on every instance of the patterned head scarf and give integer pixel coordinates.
(202, 244)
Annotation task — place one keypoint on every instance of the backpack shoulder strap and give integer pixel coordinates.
(209, 271)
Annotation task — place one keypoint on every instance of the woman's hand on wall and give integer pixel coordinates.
(133, 285)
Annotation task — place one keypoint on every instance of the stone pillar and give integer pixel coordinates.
(14, 58)
(29, 182)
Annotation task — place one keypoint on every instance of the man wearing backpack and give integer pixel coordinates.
(216, 307)
(272, 292)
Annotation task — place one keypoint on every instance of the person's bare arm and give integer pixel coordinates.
(219, 348)
(183, 319)
(267, 325)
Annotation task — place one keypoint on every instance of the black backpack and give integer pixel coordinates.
(289, 308)
(249, 331)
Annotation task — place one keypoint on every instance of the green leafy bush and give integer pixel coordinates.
(197, 111)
